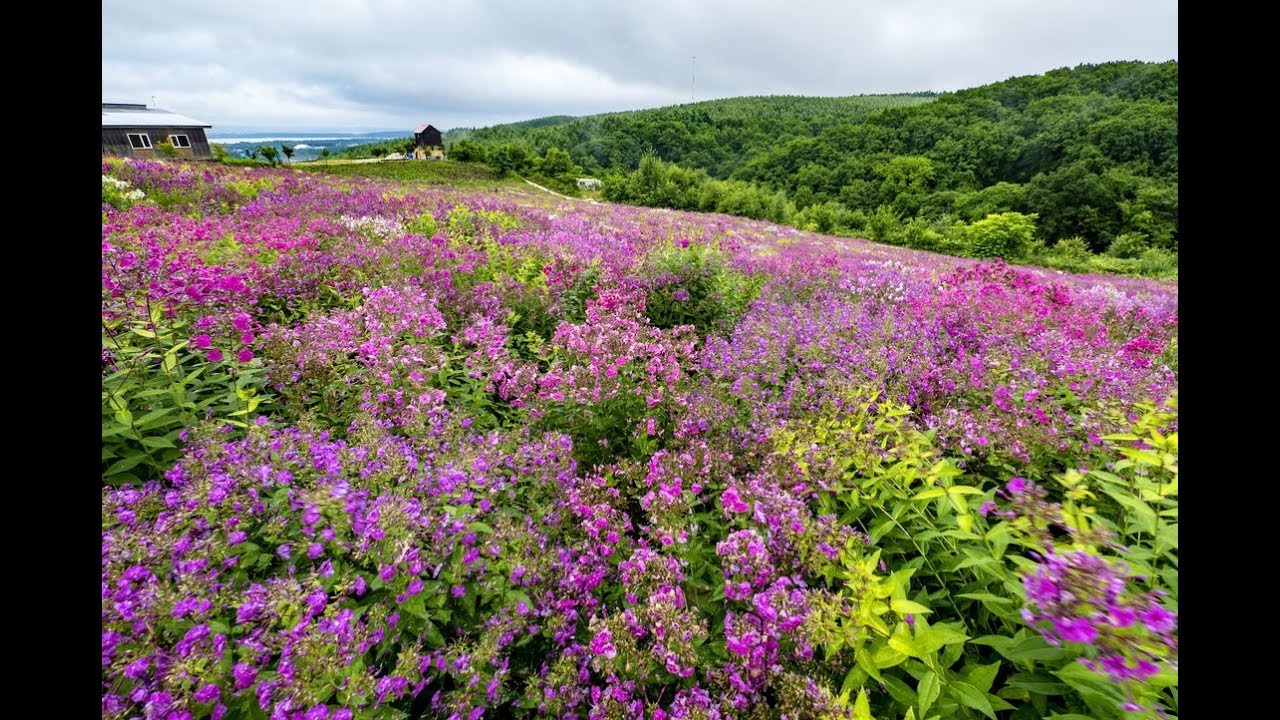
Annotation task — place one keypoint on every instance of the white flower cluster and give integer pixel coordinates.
(373, 225)
(123, 185)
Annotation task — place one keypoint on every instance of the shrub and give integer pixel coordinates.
(1003, 235)
(1128, 245)
(695, 285)
(1069, 254)
(1155, 262)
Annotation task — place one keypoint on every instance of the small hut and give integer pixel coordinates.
(428, 142)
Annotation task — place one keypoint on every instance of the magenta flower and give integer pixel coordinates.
(602, 645)
(214, 355)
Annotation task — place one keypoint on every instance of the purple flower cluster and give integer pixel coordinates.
(1079, 597)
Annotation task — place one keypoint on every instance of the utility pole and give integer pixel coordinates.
(692, 64)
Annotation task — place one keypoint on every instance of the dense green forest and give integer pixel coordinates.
(718, 136)
(1076, 168)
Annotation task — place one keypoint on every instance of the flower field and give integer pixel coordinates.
(382, 450)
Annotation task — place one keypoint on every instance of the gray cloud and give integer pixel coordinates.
(389, 64)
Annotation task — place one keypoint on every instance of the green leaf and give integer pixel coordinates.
(994, 603)
(1037, 683)
(963, 490)
(903, 644)
(1033, 649)
(899, 691)
(972, 697)
(983, 676)
(854, 678)
(937, 636)
(157, 442)
(865, 661)
(862, 707)
(125, 464)
(930, 493)
(886, 657)
(1145, 515)
(908, 607)
(974, 559)
(154, 414)
(928, 690)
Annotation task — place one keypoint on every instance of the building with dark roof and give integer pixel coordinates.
(428, 142)
(134, 130)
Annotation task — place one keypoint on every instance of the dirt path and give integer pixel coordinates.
(548, 190)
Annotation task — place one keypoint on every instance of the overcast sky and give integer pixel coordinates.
(361, 65)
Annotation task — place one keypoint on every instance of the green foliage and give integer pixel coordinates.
(830, 217)
(695, 285)
(154, 385)
(269, 153)
(557, 163)
(443, 172)
(1128, 245)
(717, 136)
(466, 151)
(1003, 235)
(287, 151)
(882, 223)
(998, 198)
(379, 149)
(166, 149)
(1155, 262)
(509, 158)
(1069, 254)
(922, 514)
(905, 180)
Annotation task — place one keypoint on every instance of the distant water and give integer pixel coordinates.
(306, 146)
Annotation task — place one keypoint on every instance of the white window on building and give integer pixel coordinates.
(139, 141)
(180, 141)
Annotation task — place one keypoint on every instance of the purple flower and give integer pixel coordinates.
(1157, 619)
(244, 675)
(602, 645)
(207, 694)
(1078, 630)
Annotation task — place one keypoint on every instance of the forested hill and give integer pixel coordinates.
(715, 135)
(1091, 152)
